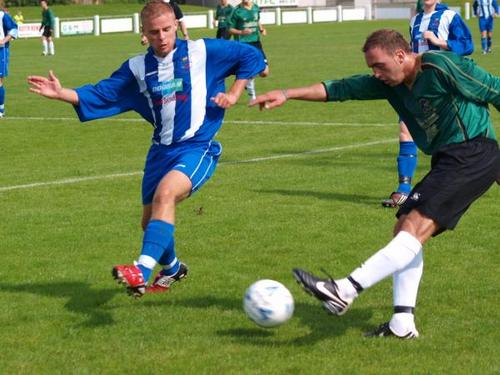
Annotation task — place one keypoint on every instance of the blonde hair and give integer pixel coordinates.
(154, 9)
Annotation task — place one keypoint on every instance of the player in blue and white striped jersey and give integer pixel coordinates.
(486, 10)
(178, 87)
(8, 31)
(434, 28)
(439, 28)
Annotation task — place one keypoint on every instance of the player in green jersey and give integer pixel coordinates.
(245, 25)
(443, 98)
(222, 14)
(419, 6)
(47, 25)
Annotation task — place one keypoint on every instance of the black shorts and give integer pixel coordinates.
(47, 32)
(460, 173)
(258, 45)
(223, 33)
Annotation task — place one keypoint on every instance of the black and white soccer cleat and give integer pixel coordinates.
(384, 330)
(326, 290)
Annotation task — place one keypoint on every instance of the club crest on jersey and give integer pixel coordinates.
(185, 63)
(426, 106)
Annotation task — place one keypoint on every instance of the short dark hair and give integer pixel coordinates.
(155, 8)
(386, 39)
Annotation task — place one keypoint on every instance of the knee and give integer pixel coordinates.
(164, 198)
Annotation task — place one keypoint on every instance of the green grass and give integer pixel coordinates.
(62, 313)
(33, 14)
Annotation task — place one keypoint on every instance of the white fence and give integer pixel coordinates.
(279, 16)
(101, 25)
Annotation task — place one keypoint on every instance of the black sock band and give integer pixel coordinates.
(355, 284)
(404, 309)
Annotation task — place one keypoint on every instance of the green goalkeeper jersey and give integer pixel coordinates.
(243, 18)
(448, 102)
(48, 19)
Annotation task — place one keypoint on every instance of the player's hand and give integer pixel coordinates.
(246, 31)
(430, 36)
(263, 32)
(50, 87)
(224, 100)
(269, 100)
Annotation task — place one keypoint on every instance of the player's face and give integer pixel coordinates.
(385, 66)
(430, 3)
(160, 32)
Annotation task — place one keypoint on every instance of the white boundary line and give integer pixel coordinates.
(75, 180)
(238, 122)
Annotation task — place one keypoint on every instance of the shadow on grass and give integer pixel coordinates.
(320, 324)
(82, 299)
(351, 198)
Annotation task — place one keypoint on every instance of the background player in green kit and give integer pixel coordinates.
(222, 14)
(47, 25)
(443, 98)
(245, 25)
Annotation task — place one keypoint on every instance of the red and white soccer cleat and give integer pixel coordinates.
(132, 278)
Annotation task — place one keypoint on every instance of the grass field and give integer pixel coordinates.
(299, 186)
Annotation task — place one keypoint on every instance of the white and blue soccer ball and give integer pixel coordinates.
(268, 303)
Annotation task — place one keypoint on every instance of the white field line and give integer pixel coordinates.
(237, 122)
(75, 180)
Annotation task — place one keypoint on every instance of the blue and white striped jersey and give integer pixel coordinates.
(173, 93)
(446, 24)
(9, 27)
(485, 8)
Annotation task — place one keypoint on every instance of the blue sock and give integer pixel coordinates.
(168, 261)
(407, 163)
(488, 42)
(157, 236)
(2, 99)
(483, 44)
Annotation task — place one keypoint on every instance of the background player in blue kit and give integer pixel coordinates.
(486, 10)
(177, 86)
(7, 33)
(434, 28)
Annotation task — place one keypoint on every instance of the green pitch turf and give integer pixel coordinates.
(299, 186)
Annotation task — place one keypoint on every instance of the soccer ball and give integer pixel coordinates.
(268, 303)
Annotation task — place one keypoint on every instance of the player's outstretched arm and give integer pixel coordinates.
(227, 100)
(276, 98)
(51, 88)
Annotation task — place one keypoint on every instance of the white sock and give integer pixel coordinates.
(251, 87)
(402, 324)
(394, 257)
(406, 282)
(45, 47)
(51, 48)
(346, 289)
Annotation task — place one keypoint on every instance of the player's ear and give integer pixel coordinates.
(400, 55)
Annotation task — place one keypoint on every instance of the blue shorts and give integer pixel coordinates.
(485, 24)
(195, 160)
(4, 62)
